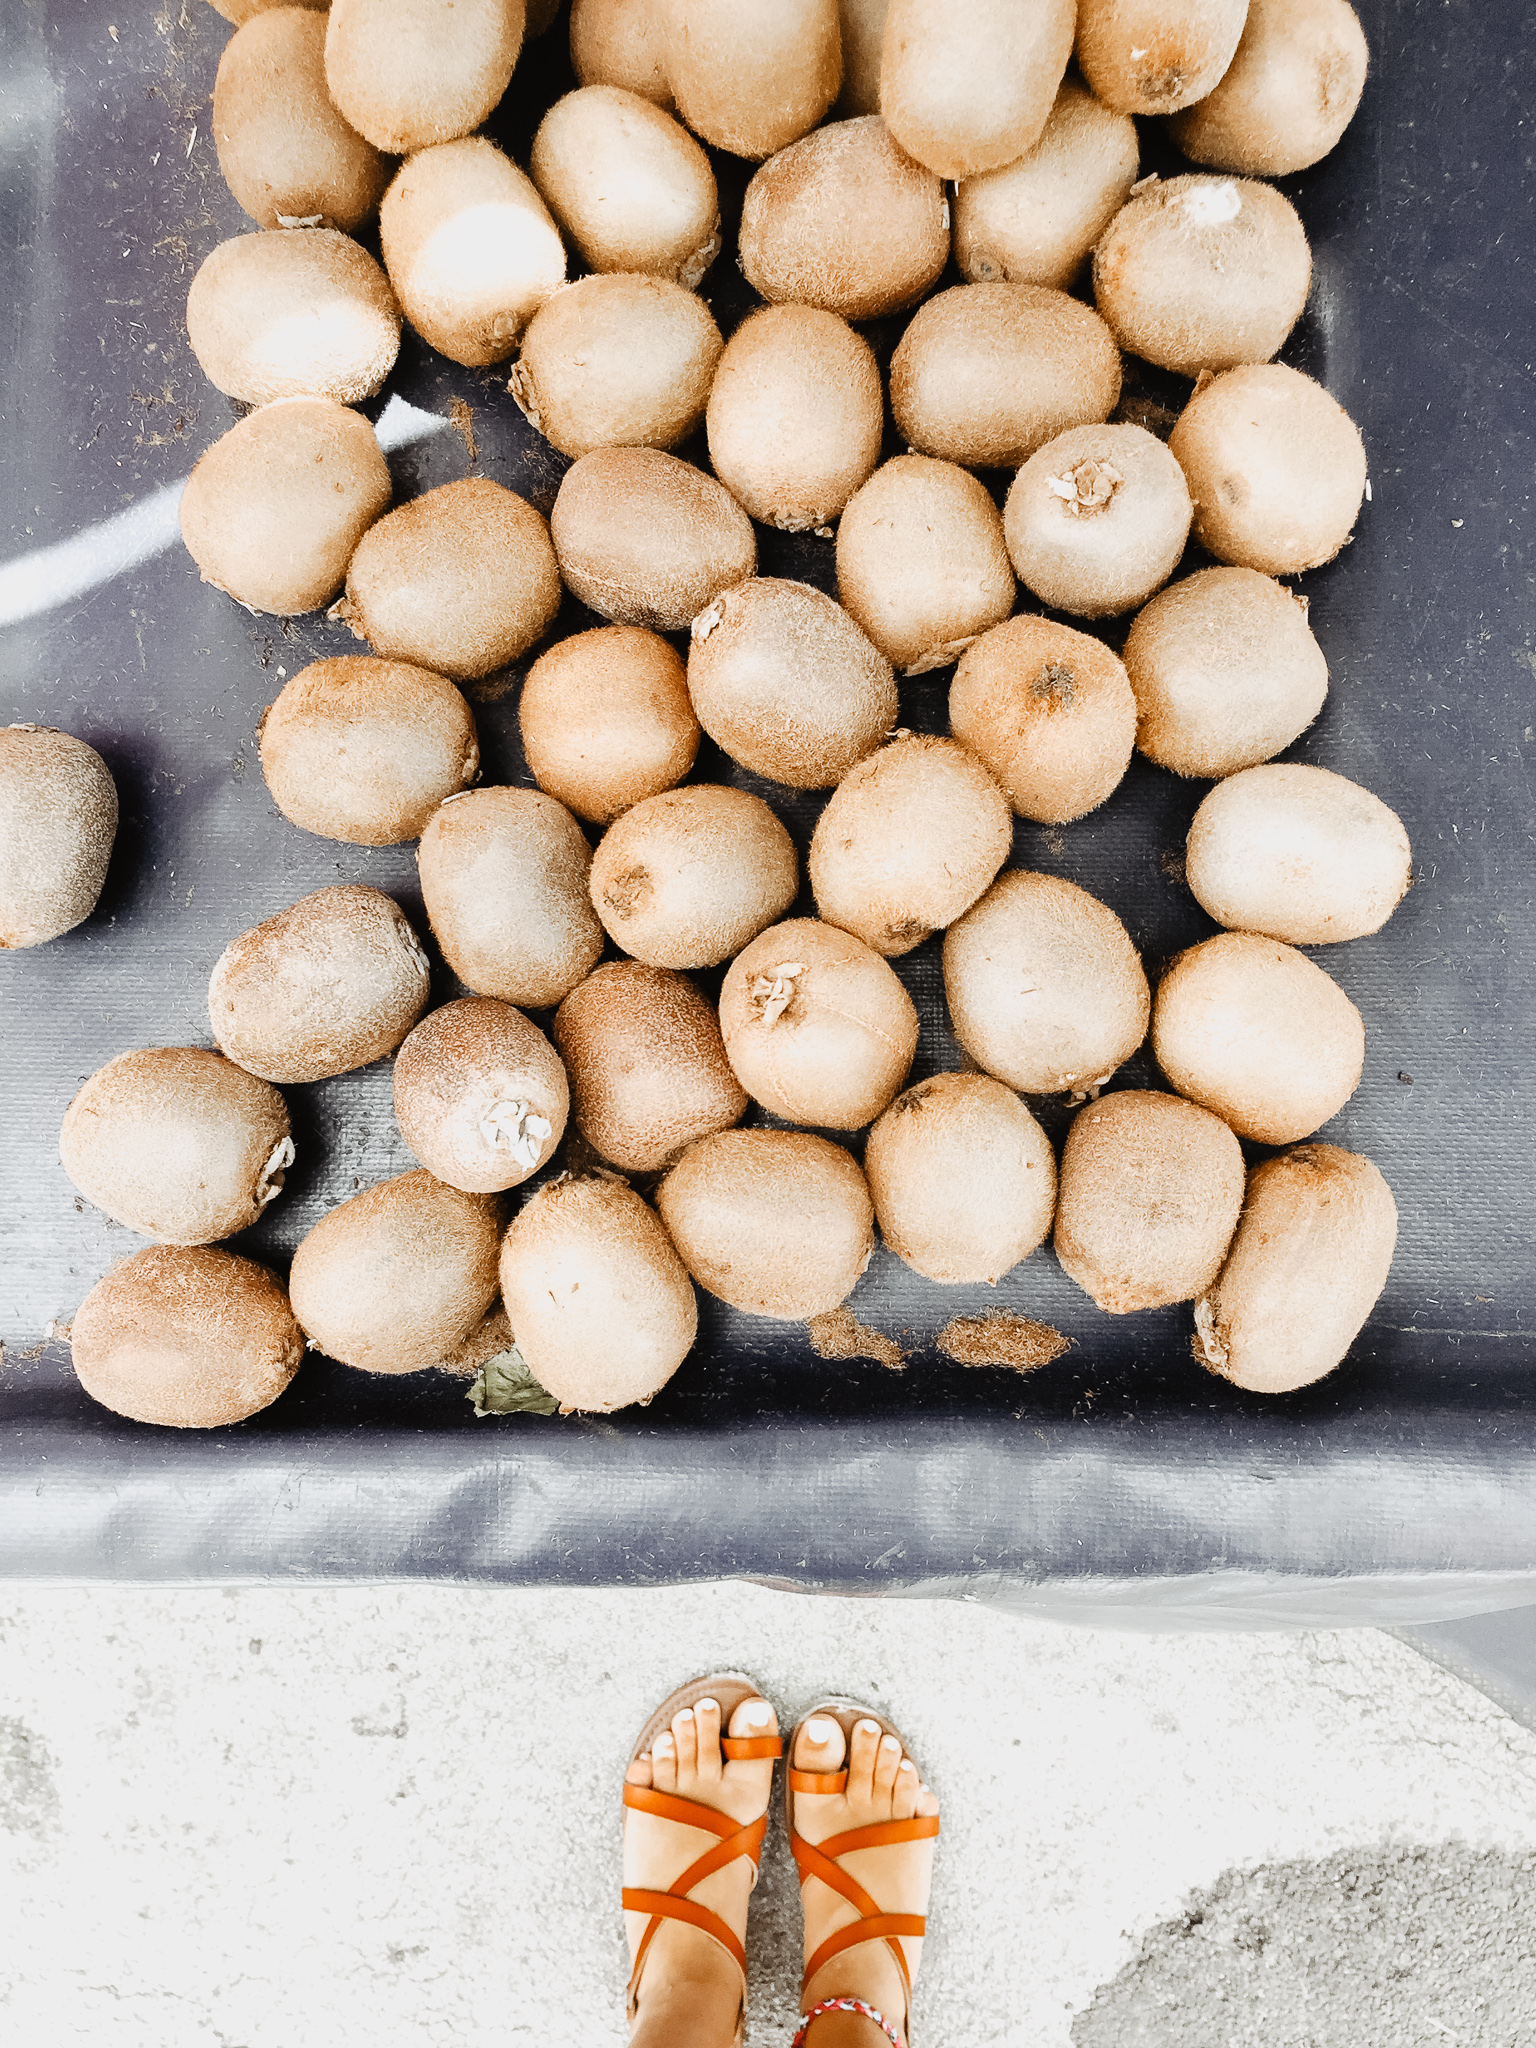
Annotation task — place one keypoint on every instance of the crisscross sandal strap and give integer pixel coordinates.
(736, 1839)
(741, 1748)
(818, 1859)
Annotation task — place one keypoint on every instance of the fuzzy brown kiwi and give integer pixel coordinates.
(622, 43)
(1287, 96)
(750, 79)
(1151, 1189)
(178, 1143)
(480, 1095)
(395, 1279)
(777, 1223)
(599, 1301)
(628, 184)
(964, 89)
(963, 1178)
(293, 316)
(606, 720)
(60, 808)
(1155, 56)
(411, 73)
(647, 540)
(1097, 519)
(1258, 1033)
(861, 30)
(647, 1064)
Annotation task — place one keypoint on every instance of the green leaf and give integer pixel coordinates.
(505, 1386)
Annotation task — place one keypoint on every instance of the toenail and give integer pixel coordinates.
(759, 1715)
(706, 1706)
(869, 1727)
(686, 1714)
(907, 1764)
(818, 1731)
(663, 1742)
(889, 1742)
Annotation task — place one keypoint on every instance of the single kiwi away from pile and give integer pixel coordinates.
(480, 1095)
(60, 807)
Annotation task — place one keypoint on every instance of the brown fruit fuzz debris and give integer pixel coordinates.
(997, 1338)
(840, 1335)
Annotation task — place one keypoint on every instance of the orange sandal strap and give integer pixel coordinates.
(736, 1839)
(737, 1748)
(886, 1927)
(818, 1859)
(817, 1781)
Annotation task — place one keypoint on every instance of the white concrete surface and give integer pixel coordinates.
(312, 1818)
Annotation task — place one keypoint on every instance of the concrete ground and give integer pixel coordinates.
(313, 1818)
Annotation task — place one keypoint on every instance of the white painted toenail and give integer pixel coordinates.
(869, 1727)
(889, 1742)
(686, 1714)
(907, 1764)
(759, 1715)
(664, 1742)
(710, 1706)
(818, 1731)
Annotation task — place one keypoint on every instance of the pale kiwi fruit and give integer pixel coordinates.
(1045, 989)
(1097, 519)
(1203, 273)
(1050, 712)
(1151, 1189)
(364, 751)
(186, 1337)
(687, 878)
(647, 1064)
(749, 78)
(395, 1279)
(1287, 96)
(60, 808)
(1035, 220)
(1257, 1032)
(470, 249)
(922, 563)
(1155, 56)
(480, 1095)
(462, 579)
(178, 1143)
(795, 415)
(606, 720)
(629, 185)
(1307, 1266)
(600, 1303)
(817, 1027)
(777, 1223)
(1276, 468)
(410, 73)
(286, 152)
(987, 373)
(504, 878)
(1226, 672)
(1298, 854)
(617, 361)
(964, 89)
(846, 221)
(273, 511)
(786, 683)
(861, 30)
(306, 315)
(963, 1178)
(907, 842)
(622, 43)
(647, 540)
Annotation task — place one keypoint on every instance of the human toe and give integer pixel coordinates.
(887, 1764)
(819, 1744)
(640, 1771)
(706, 1731)
(685, 1736)
(863, 1751)
(664, 1762)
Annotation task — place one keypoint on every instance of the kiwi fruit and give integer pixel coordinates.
(748, 78)
(908, 840)
(630, 187)
(1050, 712)
(965, 89)
(614, 361)
(178, 1143)
(688, 877)
(622, 43)
(1287, 96)
(647, 1065)
(306, 315)
(816, 1026)
(1151, 1190)
(647, 540)
(963, 1178)
(410, 73)
(861, 31)
(287, 154)
(845, 221)
(1298, 854)
(606, 720)
(777, 1223)
(1046, 991)
(600, 1303)
(1257, 1032)
(922, 564)
(987, 373)
(395, 1279)
(1035, 220)
(504, 878)
(480, 1095)
(470, 249)
(60, 808)
(364, 751)
(186, 1337)
(1203, 273)
(784, 680)
(795, 415)
(1226, 672)
(333, 982)
(462, 579)
(1097, 519)
(1156, 56)
(1276, 468)
(274, 509)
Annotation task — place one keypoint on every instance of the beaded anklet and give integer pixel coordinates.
(847, 2005)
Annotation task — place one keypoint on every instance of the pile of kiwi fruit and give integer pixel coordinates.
(667, 1064)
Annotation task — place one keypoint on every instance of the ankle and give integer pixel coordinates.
(842, 2028)
(688, 2002)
